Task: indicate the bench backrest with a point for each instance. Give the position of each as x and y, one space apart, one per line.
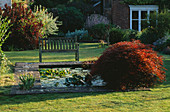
57 44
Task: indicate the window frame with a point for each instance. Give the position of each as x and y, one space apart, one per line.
141 8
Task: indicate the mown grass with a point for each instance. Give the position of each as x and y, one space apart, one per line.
156 100
88 51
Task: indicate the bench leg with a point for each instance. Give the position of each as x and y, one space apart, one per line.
77 56
40 57
77 52
40 52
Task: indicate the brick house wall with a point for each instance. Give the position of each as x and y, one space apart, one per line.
120 14
127 16
3 2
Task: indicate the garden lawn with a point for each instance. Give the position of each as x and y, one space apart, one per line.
156 100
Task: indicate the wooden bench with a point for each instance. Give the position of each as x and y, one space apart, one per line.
58 44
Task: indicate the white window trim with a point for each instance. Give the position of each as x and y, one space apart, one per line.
140 8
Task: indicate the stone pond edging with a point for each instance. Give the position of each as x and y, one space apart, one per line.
22 68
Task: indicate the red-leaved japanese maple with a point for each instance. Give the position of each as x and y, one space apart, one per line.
129 65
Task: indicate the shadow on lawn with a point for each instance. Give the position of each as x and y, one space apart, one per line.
46 58
19 99
167 66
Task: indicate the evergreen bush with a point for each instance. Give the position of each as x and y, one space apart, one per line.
130 34
162 43
71 18
148 35
116 35
161 23
77 33
100 31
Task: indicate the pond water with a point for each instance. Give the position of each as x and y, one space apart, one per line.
68 77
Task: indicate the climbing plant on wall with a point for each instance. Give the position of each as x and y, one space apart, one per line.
163 4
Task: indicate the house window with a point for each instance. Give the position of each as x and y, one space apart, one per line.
107 3
139 14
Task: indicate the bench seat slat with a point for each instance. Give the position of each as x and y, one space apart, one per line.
71 50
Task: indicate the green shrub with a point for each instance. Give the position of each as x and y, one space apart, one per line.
161 23
87 37
50 24
77 33
4 34
116 35
159 26
71 18
162 43
148 35
130 34
166 50
100 31
129 65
